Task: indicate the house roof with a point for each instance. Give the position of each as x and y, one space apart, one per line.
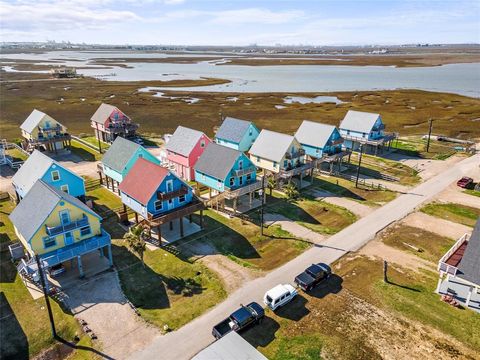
33 169
314 134
104 112
143 180
217 161
359 121
230 347
271 145
233 129
37 206
34 119
469 266
118 155
183 140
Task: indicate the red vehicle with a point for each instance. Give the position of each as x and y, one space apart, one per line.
464 182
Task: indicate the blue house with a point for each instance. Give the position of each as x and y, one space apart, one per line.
41 167
319 139
237 134
120 158
157 195
228 173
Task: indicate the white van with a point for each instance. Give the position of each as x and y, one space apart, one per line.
279 296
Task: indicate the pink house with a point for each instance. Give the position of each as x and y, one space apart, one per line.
183 150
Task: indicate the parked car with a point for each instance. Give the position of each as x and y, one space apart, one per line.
239 320
56 270
279 296
312 276
464 182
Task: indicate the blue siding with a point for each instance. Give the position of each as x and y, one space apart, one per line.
141 152
327 149
75 183
245 144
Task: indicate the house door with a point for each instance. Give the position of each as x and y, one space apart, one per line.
68 238
170 204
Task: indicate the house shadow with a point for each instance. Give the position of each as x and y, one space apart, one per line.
263 333
295 310
333 285
337 189
13 340
8 272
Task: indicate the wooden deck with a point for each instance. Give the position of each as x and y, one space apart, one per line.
457 255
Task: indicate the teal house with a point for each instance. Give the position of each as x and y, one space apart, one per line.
319 139
39 166
237 134
120 158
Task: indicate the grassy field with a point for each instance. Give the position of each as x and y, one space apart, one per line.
159 115
357 316
16 154
472 192
104 198
462 214
84 152
430 246
416 146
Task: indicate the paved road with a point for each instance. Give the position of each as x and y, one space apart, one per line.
193 337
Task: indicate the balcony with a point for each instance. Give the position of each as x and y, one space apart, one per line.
289 172
295 154
57 137
449 262
121 128
172 194
56 230
245 189
176 213
245 171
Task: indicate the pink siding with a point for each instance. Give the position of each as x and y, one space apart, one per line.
184 165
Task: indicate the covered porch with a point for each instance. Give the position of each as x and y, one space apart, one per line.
299 172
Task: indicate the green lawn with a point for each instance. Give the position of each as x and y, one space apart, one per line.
105 198
472 192
458 213
431 246
84 152
93 141
415 146
16 154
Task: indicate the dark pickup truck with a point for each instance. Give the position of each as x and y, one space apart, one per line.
239 320
312 276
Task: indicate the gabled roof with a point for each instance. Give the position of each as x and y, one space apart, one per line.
359 121
104 112
271 145
33 169
143 180
37 206
217 161
233 129
34 119
183 140
469 266
118 155
314 134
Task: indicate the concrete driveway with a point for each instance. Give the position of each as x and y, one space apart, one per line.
193 337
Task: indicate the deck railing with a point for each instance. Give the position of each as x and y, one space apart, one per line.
183 190
56 230
296 154
296 170
248 188
443 265
245 171
176 213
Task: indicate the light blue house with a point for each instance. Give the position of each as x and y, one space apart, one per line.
237 134
360 127
319 139
157 195
120 158
41 167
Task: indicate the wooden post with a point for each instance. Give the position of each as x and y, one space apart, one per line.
124 208
234 206
171 225
430 122
190 218
136 218
113 185
385 269
181 227
159 231
118 188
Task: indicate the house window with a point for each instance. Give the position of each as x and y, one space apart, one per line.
64 217
249 177
363 134
84 231
232 181
348 132
49 242
64 188
202 143
169 185
250 132
55 175
285 163
274 164
240 180
240 165
203 177
258 158
140 155
181 198
158 205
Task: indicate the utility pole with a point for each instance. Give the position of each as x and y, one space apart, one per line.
385 268
47 299
359 163
430 122
262 194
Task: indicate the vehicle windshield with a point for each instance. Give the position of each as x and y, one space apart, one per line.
269 299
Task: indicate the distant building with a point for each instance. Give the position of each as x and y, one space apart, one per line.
109 123
184 149
42 131
41 167
237 134
64 72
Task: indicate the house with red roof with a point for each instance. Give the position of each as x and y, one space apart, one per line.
159 198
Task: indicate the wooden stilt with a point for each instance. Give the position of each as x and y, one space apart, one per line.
159 231
136 218
181 227
190 218
171 225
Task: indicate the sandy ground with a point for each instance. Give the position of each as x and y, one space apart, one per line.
101 303
355 207
293 228
436 225
455 194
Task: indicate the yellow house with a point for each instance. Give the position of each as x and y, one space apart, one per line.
58 227
40 129
279 154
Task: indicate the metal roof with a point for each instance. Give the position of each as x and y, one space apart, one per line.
233 129
33 169
359 121
230 347
34 119
184 140
271 145
118 155
217 161
469 266
314 134
103 113
140 186
37 206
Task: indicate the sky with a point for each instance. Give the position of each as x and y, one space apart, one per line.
239 22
